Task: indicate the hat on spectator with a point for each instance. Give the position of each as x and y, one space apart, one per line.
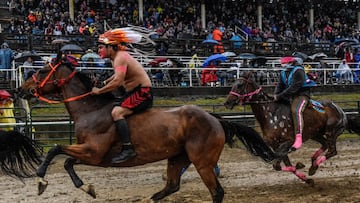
4 94
118 36
5 45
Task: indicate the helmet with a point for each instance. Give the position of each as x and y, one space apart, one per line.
287 59
118 36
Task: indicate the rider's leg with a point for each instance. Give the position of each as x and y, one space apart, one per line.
297 107
127 150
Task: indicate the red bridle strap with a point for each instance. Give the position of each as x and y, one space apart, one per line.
59 84
53 69
247 95
63 101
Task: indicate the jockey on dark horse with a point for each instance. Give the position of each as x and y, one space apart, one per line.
129 75
294 87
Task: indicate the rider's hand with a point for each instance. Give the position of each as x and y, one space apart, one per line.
95 91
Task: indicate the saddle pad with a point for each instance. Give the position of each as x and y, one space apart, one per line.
317 106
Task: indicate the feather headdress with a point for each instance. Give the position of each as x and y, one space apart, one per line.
120 35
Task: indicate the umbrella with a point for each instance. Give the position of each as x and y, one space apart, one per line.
301 55
210 42
157 61
347 40
26 54
318 56
229 54
214 57
4 94
71 47
92 55
248 56
60 41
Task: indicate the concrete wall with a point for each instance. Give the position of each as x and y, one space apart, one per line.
222 91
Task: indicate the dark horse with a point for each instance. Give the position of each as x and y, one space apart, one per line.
183 135
323 123
19 155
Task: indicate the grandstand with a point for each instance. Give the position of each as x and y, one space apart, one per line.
277 33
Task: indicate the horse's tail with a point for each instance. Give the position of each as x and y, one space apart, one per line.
353 123
19 155
249 137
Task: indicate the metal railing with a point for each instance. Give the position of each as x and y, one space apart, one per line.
267 74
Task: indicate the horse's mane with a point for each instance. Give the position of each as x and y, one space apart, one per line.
281 107
87 81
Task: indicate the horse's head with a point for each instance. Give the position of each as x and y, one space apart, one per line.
47 81
242 90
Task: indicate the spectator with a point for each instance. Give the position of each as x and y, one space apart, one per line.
237 42
6 57
174 72
209 77
221 74
343 73
86 31
28 69
349 56
194 61
92 29
31 18
6 111
218 35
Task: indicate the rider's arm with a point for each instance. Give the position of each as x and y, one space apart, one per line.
117 79
296 84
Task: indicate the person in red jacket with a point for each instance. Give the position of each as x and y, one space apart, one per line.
208 76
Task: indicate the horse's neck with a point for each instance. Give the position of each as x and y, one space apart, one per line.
83 106
262 107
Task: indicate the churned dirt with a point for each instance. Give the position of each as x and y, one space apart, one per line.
244 178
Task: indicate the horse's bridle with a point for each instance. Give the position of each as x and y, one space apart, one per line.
57 82
241 98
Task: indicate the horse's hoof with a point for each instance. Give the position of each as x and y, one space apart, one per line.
300 165
42 184
310 182
313 170
90 189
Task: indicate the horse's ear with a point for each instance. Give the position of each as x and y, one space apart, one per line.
58 56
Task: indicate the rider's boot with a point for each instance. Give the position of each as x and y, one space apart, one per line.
298 142
127 150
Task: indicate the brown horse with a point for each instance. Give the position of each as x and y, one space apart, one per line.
19 155
323 123
183 135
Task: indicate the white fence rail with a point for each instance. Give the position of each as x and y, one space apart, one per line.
190 74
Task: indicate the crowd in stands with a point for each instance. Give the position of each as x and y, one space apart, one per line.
282 20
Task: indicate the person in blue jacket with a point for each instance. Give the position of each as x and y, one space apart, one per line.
6 57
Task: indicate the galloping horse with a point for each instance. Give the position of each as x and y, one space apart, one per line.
19 155
323 122
183 135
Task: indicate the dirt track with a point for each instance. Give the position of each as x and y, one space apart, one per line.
244 178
